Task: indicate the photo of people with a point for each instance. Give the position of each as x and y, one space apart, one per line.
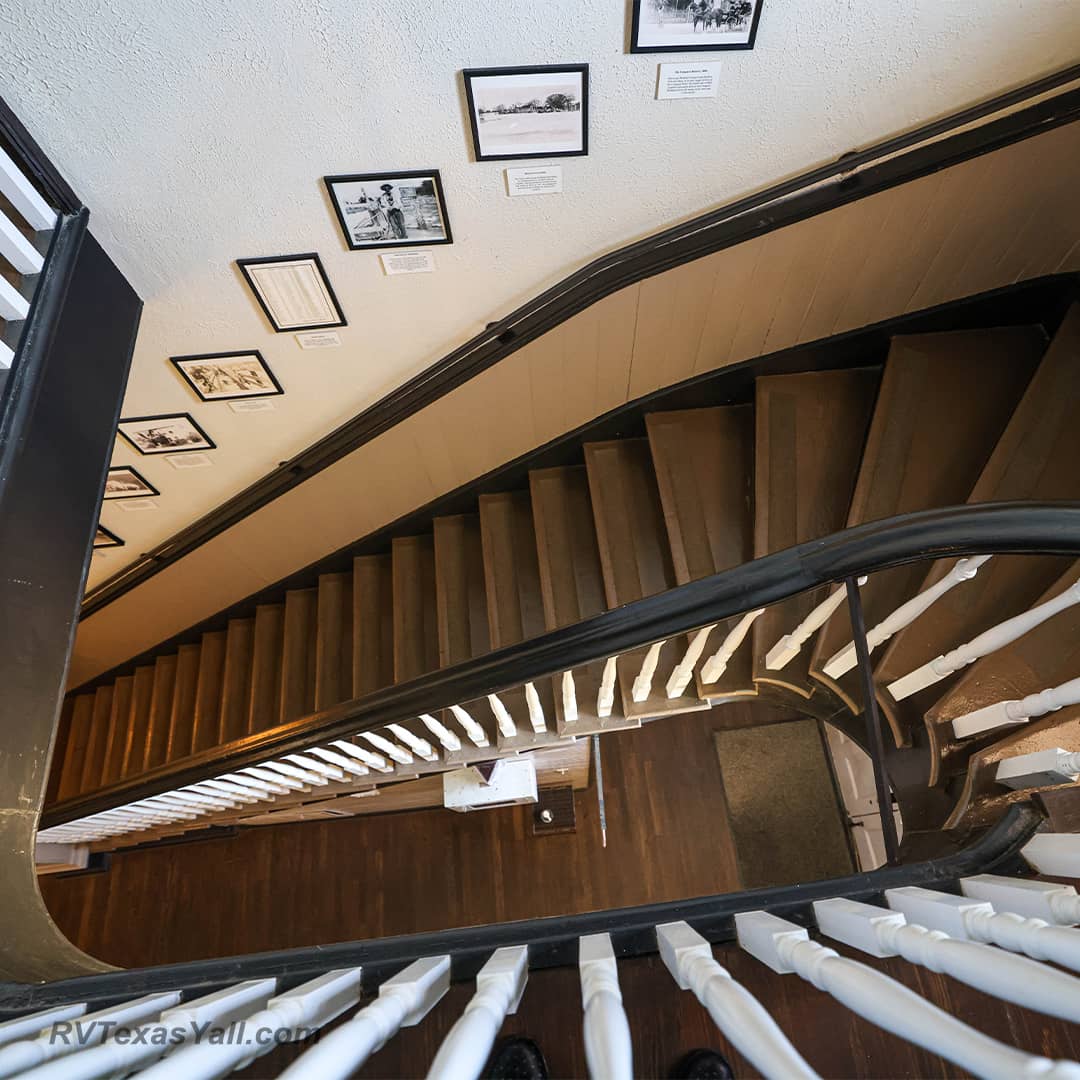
227 376
381 210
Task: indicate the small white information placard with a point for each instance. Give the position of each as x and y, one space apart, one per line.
408 262
318 339
542 180
700 80
252 405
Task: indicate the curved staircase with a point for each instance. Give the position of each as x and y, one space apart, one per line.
976 416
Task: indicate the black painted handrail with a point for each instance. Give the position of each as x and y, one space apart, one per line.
552 941
992 528
821 188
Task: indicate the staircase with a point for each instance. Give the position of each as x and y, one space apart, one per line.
977 416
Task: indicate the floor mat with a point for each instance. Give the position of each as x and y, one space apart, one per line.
782 805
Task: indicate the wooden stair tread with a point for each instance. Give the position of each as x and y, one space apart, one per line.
119 718
182 722
298 654
373 624
635 558
1034 459
945 400
267 649
333 643
461 596
161 706
809 434
704 465
207 718
71 771
139 724
94 762
236 680
416 632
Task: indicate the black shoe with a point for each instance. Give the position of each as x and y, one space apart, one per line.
702 1065
516 1058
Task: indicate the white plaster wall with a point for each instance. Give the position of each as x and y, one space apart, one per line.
198 132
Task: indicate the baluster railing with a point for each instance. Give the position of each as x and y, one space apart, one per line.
989 641
1020 711
790 645
684 670
420 747
717 664
642 687
882 932
34 1023
503 720
289 1017
403 1001
607 1032
1034 899
1056 854
734 1010
1043 768
477 735
447 739
787 949
965 569
976 920
605 699
499 987
569 698
536 709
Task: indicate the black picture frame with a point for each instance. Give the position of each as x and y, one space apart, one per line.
386 177
683 47
111 539
149 491
179 363
469 75
307 256
210 444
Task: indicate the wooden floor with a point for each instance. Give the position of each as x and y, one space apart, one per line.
321 882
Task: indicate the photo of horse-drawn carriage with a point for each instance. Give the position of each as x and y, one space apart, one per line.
678 25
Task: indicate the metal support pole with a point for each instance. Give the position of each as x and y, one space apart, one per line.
874 741
600 789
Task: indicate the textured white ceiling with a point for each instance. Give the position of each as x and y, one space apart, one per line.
198 132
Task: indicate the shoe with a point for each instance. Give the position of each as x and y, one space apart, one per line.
516 1058
702 1064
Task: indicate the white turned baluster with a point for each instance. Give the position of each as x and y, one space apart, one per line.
63 1037
472 729
197 1019
607 1032
684 670
569 698
536 710
35 1023
420 747
403 1001
273 777
499 986
23 196
256 785
717 664
964 570
503 720
787 949
1008 713
294 1015
368 757
390 749
450 742
348 764
310 764
605 699
1012 978
989 641
245 795
305 776
734 1010
1030 897
976 920
1056 854
1043 768
790 645
643 683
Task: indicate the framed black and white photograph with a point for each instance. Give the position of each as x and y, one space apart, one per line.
227 376
175 433
103 538
694 25
123 482
293 292
383 210
528 112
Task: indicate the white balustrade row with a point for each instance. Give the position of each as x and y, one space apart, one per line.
1020 711
997 637
790 645
965 569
